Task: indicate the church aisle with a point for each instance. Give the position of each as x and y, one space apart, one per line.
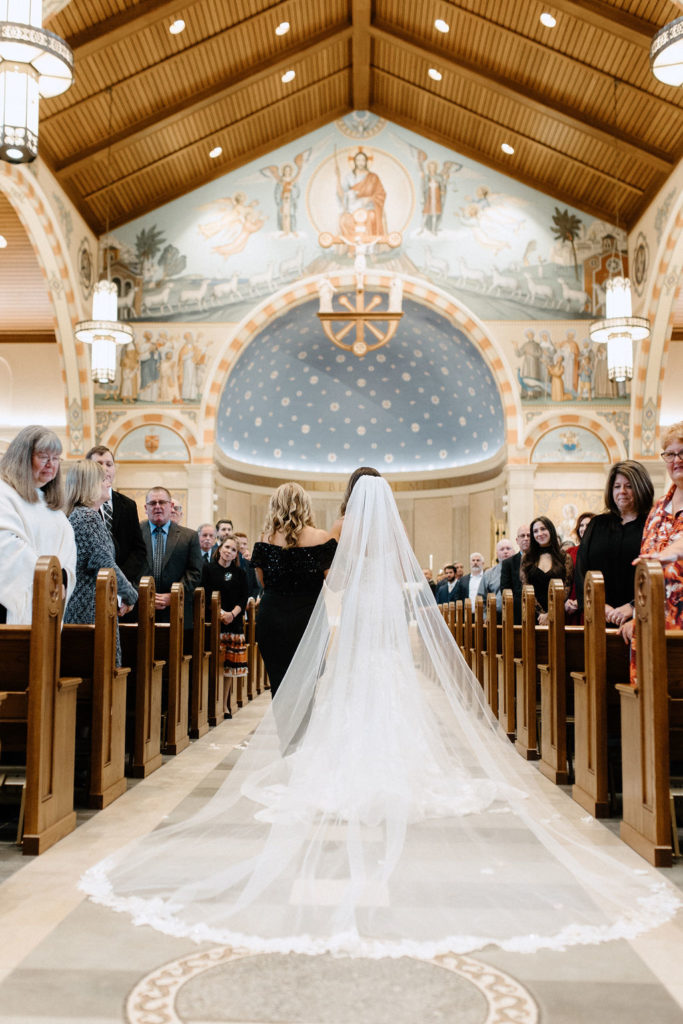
65 959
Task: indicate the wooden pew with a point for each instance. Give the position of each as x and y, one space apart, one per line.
212 644
144 684
252 652
534 650
201 658
651 722
510 649
565 652
168 649
489 656
596 706
89 650
478 639
467 631
38 712
459 625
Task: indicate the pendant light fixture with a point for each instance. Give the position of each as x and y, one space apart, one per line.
105 331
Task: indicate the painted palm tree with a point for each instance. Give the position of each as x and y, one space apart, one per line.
148 242
567 229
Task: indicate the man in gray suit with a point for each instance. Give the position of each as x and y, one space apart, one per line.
173 554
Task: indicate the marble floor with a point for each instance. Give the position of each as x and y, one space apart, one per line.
63 958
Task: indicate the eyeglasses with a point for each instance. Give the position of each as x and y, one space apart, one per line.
45 460
670 457
151 504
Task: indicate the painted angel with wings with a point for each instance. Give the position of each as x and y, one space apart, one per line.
433 184
287 191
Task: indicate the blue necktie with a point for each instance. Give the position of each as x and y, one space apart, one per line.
158 554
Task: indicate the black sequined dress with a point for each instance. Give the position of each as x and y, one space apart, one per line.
292 579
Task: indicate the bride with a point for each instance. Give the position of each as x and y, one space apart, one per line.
378 809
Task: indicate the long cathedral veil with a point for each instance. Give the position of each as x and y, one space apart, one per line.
378 809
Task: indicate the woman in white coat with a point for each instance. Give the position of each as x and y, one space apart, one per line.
32 522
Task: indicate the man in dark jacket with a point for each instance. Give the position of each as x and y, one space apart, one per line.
510 578
120 514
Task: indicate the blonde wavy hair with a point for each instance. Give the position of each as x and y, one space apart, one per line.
83 484
288 512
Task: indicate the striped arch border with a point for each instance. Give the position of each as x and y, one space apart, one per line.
28 190
150 419
302 292
663 271
615 447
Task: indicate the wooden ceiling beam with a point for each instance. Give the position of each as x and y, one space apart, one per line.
191 105
231 165
213 136
360 49
608 19
527 97
547 187
513 135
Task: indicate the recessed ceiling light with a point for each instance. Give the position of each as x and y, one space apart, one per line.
282 29
3 242
548 20
177 27
441 26
216 151
288 76
436 75
507 148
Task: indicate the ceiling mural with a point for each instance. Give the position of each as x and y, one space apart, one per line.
426 401
502 249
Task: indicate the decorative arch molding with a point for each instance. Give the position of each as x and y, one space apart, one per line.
652 353
121 428
33 210
421 291
613 444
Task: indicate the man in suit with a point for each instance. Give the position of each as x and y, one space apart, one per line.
504 549
206 535
173 554
510 578
445 590
120 514
472 584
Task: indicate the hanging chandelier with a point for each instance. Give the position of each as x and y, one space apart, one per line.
666 53
619 329
105 331
33 63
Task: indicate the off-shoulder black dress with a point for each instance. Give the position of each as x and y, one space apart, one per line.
292 579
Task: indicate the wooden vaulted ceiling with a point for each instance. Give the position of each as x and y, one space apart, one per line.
505 78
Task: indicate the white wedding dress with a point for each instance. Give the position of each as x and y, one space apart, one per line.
378 809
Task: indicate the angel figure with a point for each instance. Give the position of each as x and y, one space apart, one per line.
237 220
287 191
433 183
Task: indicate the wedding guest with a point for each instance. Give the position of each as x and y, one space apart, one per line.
224 574
32 522
120 515
573 615
543 562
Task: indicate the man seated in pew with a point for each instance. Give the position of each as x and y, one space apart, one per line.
32 522
663 537
172 554
504 549
511 571
86 489
468 587
446 589
120 516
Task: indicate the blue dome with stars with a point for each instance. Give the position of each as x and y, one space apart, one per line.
425 401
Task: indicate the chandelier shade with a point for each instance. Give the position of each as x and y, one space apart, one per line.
104 332
666 53
33 63
619 329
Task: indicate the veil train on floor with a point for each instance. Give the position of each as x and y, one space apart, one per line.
378 809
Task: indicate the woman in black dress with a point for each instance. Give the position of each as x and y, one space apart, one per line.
224 574
612 540
543 562
291 562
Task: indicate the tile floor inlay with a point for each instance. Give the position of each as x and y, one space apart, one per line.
224 985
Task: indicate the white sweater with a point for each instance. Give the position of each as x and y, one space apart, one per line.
27 531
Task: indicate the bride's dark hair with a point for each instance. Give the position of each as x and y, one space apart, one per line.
353 480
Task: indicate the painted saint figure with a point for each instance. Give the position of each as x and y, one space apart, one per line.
434 183
362 197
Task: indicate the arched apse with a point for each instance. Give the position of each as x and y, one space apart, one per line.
122 428
32 208
614 444
416 291
651 356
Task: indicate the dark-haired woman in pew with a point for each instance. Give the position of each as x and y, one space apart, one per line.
571 605
86 489
612 540
663 535
224 574
31 520
545 561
